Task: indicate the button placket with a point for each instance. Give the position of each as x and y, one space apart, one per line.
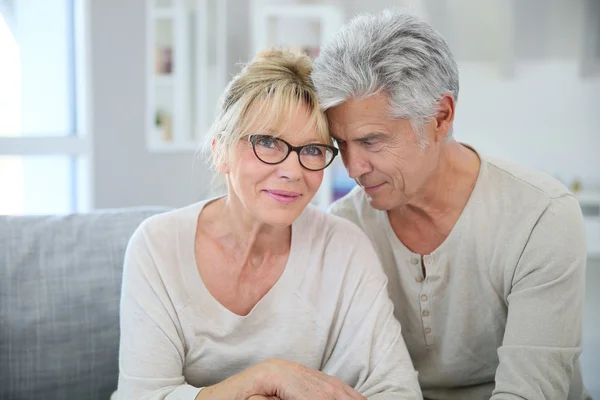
426 319
425 301
415 260
429 262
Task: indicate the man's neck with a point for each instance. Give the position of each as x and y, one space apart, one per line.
428 218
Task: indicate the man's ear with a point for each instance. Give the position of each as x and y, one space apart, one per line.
444 116
222 167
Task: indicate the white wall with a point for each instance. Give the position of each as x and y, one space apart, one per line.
124 172
522 94
544 117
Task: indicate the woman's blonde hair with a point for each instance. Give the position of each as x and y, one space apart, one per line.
272 86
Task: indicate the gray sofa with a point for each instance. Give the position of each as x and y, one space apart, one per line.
60 281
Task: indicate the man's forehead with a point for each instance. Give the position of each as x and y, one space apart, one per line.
353 111
358 124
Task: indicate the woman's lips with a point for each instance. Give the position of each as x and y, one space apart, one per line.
283 196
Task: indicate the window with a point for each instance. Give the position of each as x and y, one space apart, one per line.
43 144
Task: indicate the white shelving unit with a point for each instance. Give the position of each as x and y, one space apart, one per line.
186 71
590 206
297 26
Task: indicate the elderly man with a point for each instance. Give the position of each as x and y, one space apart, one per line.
485 259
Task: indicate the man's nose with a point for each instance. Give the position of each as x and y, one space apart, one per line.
355 162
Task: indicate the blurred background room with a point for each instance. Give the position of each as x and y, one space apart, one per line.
104 103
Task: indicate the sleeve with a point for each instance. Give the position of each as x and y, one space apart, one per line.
369 351
542 341
152 348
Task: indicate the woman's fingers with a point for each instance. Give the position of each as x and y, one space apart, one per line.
298 382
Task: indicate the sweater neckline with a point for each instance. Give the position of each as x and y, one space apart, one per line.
201 298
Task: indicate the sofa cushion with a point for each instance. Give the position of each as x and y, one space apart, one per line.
60 281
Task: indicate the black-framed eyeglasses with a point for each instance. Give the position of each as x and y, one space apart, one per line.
312 156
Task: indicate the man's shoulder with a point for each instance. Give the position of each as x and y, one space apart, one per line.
519 179
354 207
529 202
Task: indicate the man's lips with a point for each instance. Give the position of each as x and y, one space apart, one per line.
372 188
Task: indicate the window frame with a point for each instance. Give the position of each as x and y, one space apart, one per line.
77 143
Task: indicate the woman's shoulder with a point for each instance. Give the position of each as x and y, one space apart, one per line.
165 227
339 258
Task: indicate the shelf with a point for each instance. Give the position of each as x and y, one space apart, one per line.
164 80
588 197
182 80
163 13
590 206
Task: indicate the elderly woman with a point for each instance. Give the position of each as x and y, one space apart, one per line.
256 294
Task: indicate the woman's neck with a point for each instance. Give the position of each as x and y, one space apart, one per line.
250 241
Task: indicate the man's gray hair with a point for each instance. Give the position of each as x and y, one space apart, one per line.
391 52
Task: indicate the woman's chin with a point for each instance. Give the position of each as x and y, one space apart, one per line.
280 217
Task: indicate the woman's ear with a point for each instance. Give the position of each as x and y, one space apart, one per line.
222 165
224 168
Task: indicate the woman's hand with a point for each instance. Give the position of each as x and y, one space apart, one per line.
287 380
278 379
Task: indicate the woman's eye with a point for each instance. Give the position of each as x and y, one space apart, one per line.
266 142
313 151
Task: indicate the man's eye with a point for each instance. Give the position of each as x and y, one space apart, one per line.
339 143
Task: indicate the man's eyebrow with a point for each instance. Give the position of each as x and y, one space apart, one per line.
369 136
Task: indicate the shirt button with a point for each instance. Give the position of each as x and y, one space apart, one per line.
419 279
415 260
426 313
428 330
423 298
